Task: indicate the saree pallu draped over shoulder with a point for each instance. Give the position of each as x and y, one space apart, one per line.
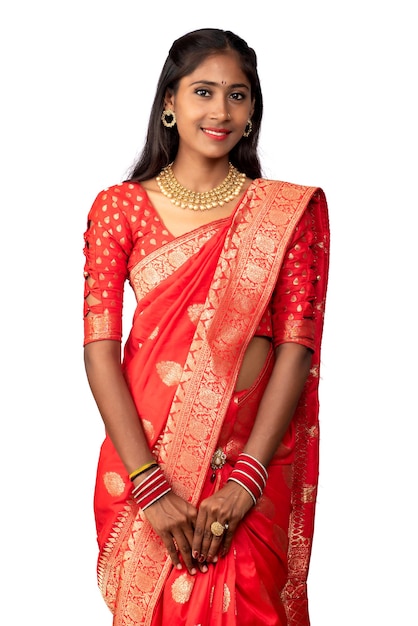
200 298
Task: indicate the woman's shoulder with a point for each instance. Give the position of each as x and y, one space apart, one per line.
126 189
293 196
120 207
126 196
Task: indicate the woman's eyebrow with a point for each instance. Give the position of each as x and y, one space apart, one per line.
215 84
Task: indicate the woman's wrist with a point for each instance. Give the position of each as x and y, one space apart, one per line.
146 467
151 488
250 474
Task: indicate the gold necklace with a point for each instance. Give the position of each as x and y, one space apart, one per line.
200 201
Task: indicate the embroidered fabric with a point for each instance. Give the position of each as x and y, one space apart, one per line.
289 316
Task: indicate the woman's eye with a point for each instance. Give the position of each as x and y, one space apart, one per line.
237 96
202 92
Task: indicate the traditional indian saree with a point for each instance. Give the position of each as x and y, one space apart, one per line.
201 297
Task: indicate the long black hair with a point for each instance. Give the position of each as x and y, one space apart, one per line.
185 55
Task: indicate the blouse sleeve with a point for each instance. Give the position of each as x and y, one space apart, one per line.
294 294
108 242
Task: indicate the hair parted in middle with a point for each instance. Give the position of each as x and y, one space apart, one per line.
185 55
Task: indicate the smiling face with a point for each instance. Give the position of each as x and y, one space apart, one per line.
212 105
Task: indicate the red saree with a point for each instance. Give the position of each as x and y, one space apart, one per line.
200 299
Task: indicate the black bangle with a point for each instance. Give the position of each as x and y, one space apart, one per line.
142 471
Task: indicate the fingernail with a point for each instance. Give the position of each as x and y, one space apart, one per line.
205 569
195 554
193 571
215 559
201 558
179 566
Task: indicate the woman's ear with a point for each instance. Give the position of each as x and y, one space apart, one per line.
169 100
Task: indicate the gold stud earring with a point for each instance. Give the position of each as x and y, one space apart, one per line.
168 118
248 129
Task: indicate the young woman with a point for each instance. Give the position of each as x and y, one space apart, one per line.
207 476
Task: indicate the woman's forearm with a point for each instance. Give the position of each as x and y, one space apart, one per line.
115 403
279 400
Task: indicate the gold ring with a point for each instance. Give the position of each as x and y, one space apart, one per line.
217 529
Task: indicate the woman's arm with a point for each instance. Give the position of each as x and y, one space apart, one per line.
115 403
279 401
171 517
275 412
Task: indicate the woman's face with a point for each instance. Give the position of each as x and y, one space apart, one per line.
212 105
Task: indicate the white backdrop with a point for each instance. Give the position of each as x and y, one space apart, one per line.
339 83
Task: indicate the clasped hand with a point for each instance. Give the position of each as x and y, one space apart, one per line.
186 531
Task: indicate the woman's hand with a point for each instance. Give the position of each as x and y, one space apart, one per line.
173 519
227 506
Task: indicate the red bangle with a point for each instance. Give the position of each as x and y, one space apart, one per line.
250 474
154 487
253 467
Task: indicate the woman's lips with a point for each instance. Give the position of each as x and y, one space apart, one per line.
217 133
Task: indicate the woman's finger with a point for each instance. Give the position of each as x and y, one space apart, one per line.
184 549
198 536
171 548
227 541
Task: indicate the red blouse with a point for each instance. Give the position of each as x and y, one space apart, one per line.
123 227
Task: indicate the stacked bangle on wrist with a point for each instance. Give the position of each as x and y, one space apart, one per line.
250 474
142 469
154 487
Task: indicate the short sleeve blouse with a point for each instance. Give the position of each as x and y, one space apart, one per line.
289 316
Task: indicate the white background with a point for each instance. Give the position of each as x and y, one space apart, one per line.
339 82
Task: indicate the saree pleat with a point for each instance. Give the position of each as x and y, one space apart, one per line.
200 299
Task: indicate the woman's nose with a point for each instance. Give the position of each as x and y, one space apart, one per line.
221 111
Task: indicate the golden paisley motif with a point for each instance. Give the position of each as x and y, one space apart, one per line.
190 462
242 303
227 334
290 192
170 372
133 611
143 581
155 551
194 312
278 218
226 599
208 398
181 589
150 276
255 273
198 430
265 244
114 483
177 258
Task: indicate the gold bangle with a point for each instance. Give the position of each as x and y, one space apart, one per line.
142 469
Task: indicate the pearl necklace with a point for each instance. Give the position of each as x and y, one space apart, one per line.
200 201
